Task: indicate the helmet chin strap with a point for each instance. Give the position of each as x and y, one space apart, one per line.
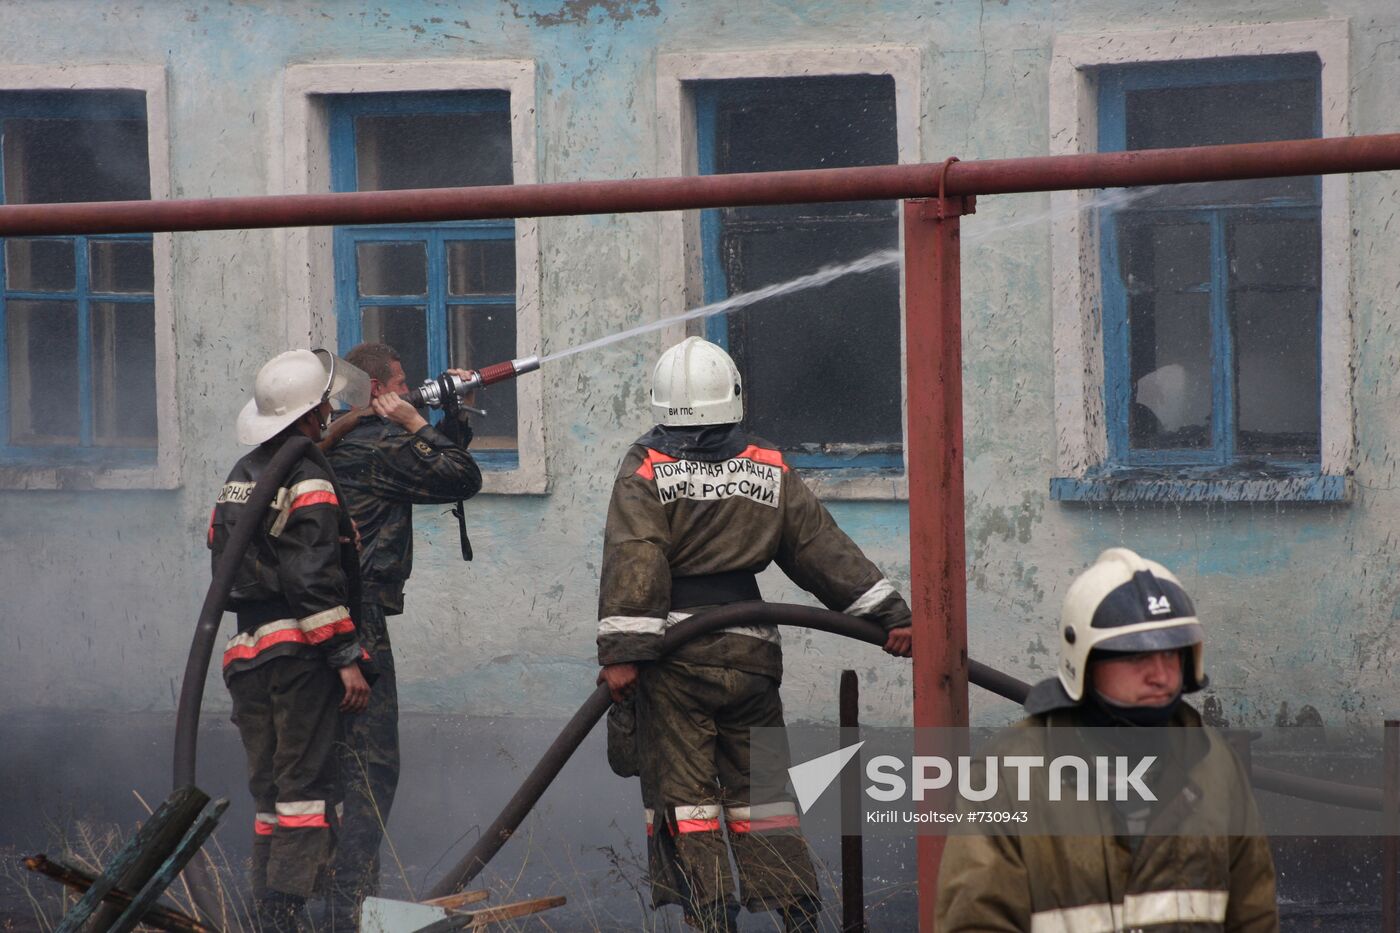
1118 714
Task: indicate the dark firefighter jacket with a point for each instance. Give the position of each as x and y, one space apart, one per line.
384 472
690 503
1074 883
291 593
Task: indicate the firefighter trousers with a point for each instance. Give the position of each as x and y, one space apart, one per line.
287 714
369 767
693 729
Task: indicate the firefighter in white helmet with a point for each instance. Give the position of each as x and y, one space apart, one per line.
1130 647
294 662
698 508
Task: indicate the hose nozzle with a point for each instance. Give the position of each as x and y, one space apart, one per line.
433 391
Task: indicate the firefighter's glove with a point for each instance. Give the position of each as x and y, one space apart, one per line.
900 642
621 680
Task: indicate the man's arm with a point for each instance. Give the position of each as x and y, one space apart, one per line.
634 593
819 557
983 886
313 582
424 466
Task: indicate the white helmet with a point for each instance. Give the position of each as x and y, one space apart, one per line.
696 382
1125 603
291 384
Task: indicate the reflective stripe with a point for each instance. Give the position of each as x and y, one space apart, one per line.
309 821
871 598
1091 918
1137 910
768 633
630 625
702 819
764 455
1175 907
312 630
300 495
762 817
264 823
301 808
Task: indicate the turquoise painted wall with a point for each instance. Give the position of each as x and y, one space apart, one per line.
101 588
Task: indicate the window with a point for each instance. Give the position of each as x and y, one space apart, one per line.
822 368
77 313
1212 292
444 294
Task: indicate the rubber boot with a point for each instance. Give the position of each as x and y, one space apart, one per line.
802 916
279 913
719 917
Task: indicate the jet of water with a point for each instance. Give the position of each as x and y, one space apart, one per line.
828 274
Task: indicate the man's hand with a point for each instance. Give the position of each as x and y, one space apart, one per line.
356 689
901 642
393 408
621 680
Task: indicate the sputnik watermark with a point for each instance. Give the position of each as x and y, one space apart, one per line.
1116 778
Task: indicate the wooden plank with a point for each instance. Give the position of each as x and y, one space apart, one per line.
160 917
162 832
454 901
184 851
480 918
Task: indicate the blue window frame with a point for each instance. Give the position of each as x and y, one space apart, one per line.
77 313
821 368
441 294
1212 300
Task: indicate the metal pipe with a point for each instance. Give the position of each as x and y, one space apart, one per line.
560 199
852 840
937 538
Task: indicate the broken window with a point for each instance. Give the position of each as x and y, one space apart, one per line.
821 367
442 295
78 312
1212 292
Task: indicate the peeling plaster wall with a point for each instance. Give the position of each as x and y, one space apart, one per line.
101 588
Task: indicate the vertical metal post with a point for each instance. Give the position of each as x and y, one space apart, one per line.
852 814
937 548
1390 806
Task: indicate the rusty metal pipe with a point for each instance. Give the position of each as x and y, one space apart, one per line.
558 199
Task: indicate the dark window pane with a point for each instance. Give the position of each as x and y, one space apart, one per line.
481 267
1170 348
1277 372
1218 114
42 344
65 160
432 150
404 329
121 266
39 265
480 335
392 268
1273 255
123 373
1163 255
821 367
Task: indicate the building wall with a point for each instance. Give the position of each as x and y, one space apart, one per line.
102 586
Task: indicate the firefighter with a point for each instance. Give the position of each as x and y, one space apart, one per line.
698 508
1130 647
387 458
294 664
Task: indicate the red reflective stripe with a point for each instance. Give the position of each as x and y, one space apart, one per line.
768 822
263 829
296 635
648 468
303 821
697 826
212 512
764 455
320 497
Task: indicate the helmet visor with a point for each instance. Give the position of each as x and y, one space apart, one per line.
345 383
1179 633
